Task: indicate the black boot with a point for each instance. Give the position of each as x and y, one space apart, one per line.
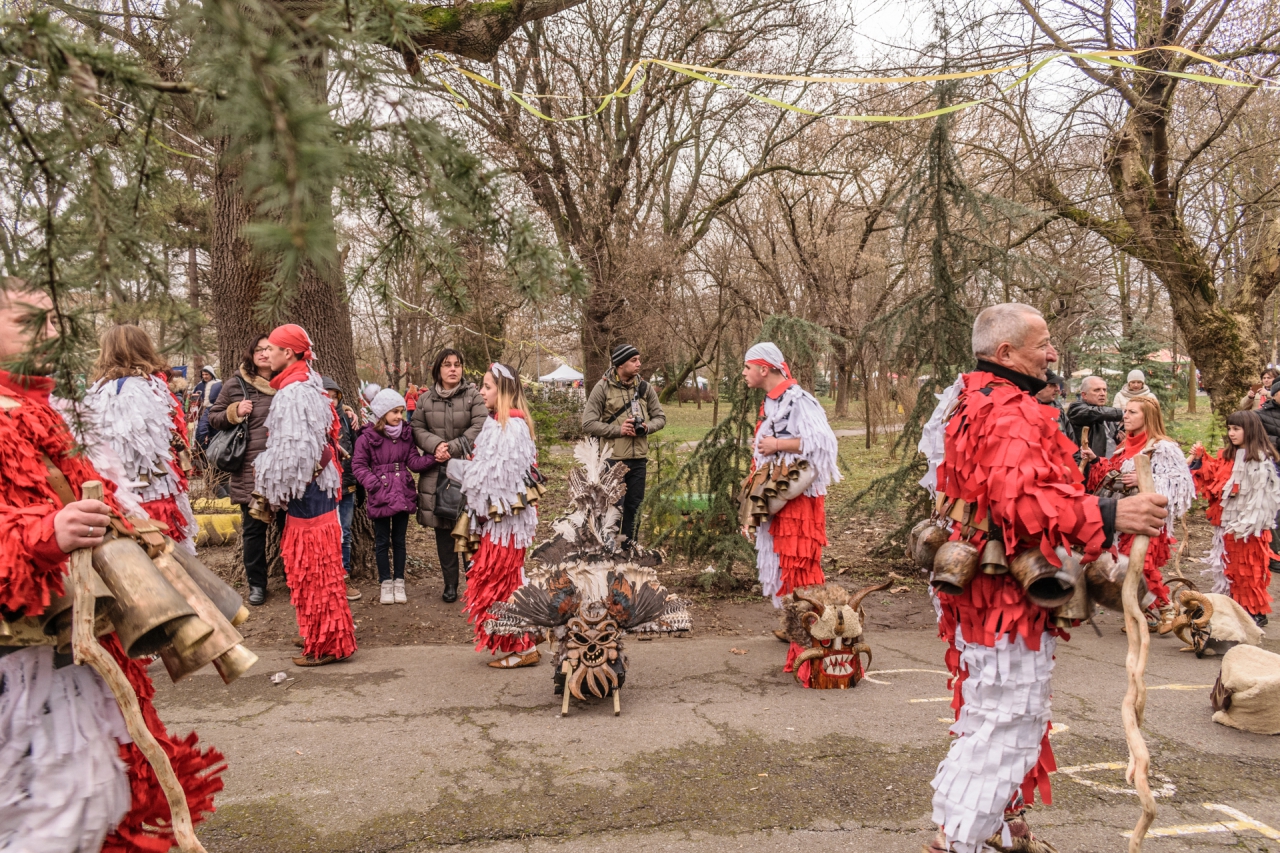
1260 619
450 593
257 595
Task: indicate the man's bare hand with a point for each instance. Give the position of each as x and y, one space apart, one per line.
629 429
1141 514
81 525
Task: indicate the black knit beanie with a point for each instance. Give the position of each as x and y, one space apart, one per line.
623 353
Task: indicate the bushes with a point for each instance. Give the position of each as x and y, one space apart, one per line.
557 413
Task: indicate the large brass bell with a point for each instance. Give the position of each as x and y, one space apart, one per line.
928 541
148 613
1077 608
1044 583
228 601
224 640
992 561
954 566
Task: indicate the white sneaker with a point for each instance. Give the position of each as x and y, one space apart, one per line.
388 593
401 598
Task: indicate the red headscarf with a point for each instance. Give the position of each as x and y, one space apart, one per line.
294 337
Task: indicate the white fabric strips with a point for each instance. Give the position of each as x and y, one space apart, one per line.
1217 562
63 786
934 435
798 414
496 477
767 566
1003 720
297 432
1253 509
1172 478
135 420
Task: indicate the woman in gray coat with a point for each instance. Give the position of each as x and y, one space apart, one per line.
445 424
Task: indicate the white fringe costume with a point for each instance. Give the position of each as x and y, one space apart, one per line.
132 421
1002 722
63 787
500 512
794 413
297 433
1249 499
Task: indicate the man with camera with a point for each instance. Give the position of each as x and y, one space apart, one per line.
625 408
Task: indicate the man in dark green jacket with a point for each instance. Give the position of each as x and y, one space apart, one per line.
625 408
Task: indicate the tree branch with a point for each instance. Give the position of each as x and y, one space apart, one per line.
477 30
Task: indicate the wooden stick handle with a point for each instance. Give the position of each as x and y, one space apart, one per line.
1084 442
87 650
1135 664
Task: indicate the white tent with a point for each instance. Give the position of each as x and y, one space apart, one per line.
563 373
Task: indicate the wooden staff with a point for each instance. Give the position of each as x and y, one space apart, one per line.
88 650
1135 664
1084 442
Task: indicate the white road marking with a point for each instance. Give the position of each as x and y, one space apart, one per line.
934 699
1242 823
868 677
1180 687
1168 789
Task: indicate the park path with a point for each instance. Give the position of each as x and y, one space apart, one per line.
412 748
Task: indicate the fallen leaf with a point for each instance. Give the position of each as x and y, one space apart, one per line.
898 589
762 775
894 576
738 651
298 751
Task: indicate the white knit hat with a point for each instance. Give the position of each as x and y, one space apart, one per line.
369 390
1137 375
384 401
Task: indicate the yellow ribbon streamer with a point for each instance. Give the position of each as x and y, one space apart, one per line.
634 79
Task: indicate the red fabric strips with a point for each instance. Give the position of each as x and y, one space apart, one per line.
312 552
166 509
495 573
799 532
1247 569
146 826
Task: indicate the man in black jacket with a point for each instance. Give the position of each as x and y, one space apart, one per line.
1269 413
1093 412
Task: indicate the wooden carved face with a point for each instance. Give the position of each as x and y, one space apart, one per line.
835 644
592 644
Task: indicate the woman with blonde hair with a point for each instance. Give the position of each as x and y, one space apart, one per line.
1115 477
130 412
498 484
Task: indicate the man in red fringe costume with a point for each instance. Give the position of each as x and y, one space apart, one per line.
1006 458
300 469
79 783
792 427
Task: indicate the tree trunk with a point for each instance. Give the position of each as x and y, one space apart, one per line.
193 299
1192 390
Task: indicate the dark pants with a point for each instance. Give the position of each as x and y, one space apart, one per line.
346 511
254 536
449 558
634 478
388 533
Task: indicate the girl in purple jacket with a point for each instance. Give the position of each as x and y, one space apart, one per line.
384 455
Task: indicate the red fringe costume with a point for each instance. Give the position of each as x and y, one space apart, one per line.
299 470
496 572
799 533
31 575
1007 458
1245 560
1160 548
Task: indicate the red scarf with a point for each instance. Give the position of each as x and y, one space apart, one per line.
1133 445
296 372
37 388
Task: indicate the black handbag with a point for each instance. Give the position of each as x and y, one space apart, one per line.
226 449
449 499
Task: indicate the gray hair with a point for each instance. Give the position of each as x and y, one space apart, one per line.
999 324
1084 383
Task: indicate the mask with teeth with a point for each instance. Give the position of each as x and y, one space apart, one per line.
826 622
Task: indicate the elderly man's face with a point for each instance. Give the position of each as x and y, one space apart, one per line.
1094 392
1034 355
1048 393
17 334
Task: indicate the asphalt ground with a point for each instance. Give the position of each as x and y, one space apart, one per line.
415 748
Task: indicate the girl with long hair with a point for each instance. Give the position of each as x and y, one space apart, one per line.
131 410
1243 491
501 515
1116 477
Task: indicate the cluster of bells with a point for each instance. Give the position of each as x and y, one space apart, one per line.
1066 590
162 601
768 488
